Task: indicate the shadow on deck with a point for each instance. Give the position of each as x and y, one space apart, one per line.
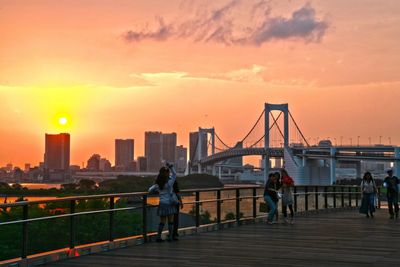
343 238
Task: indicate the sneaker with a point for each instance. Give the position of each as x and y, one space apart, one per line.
372 215
286 221
391 217
367 216
159 240
175 238
291 221
270 223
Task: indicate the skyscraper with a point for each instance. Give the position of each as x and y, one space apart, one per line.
193 142
124 152
153 150
169 147
57 151
181 158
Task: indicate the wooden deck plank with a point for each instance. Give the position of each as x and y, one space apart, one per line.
327 239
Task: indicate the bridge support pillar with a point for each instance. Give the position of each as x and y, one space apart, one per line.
304 158
219 172
198 168
396 165
333 165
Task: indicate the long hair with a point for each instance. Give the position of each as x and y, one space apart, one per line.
366 175
162 177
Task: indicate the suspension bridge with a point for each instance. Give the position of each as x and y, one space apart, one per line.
277 135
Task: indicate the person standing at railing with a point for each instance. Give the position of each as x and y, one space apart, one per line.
176 190
368 189
391 183
287 195
167 207
271 196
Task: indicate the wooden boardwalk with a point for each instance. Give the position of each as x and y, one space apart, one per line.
343 238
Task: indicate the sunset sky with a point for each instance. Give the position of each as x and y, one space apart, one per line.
116 68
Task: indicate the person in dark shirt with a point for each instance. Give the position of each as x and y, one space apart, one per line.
391 183
271 196
175 234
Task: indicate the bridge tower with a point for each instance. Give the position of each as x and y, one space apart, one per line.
284 108
199 149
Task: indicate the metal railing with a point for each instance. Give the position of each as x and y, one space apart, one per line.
309 197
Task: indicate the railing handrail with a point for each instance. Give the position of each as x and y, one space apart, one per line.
140 194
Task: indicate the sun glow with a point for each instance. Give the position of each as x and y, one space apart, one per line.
62 121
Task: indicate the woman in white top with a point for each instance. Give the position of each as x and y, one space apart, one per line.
167 208
368 189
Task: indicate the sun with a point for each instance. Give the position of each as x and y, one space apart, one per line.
62 121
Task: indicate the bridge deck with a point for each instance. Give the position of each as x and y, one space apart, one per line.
328 239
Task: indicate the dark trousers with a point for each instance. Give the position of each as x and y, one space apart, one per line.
285 211
393 201
176 221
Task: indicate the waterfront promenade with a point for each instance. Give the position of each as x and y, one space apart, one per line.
338 238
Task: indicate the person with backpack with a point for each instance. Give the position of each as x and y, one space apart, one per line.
168 200
368 190
391 184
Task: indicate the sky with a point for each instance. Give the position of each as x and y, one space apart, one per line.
118 68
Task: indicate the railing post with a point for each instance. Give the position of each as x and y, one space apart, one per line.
24 251
306 198
326 196
197 208
295 198
316 198
334 196
356 196
144 217
342 191
350 191
219 207
238 206
72 224
254 203
111 222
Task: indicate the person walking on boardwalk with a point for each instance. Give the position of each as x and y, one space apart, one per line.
167 207
391 183
287 195
368 189
178 206
271 196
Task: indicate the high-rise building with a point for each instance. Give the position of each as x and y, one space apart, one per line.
27 167
93 164
142 164
193 145
124 152
181 158
153 150
57 151
169 147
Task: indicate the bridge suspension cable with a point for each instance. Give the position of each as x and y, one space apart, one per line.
254 126
301 133
273 124
216 135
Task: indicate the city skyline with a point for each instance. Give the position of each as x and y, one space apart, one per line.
97 64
